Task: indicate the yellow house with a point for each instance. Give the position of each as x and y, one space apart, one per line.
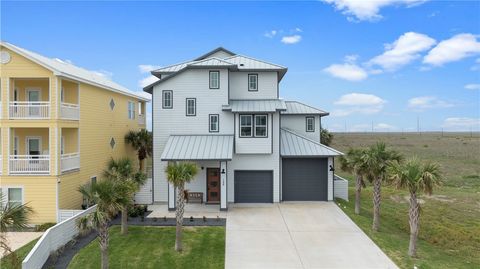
59 125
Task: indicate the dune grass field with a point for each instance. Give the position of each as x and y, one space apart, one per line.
450 219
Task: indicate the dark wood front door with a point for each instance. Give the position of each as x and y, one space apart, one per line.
213 185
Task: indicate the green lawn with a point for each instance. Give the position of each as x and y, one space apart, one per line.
449 222
21 253
153 247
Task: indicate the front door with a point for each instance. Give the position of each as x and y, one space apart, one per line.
213 185
33 97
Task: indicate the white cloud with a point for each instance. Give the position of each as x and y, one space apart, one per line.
146 68
298 30
461 124
403 51
472 86
347 71
358 103
426 102
456 48
270 34
367 10
292 39
147 81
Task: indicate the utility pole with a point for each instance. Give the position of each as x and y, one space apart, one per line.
418 125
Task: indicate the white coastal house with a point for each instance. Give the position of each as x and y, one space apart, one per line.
223 111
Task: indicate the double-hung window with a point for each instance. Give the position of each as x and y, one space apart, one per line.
214 80
246 126
260 125
253 82
14 196
213 123
310 124
131 110
167 99
191 106
253 125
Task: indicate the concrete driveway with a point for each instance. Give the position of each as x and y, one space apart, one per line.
297 235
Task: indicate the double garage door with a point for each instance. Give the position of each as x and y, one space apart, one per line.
303 179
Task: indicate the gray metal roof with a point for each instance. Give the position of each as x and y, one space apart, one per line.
255 105
294 107
293 144
62 68
213 52
198 147
212 62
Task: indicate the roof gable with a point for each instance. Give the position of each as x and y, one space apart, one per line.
219 52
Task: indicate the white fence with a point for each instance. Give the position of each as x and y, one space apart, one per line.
69 111
53 239
64 214
340 186
70 161
29 164
29 110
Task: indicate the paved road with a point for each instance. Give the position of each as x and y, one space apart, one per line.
297 235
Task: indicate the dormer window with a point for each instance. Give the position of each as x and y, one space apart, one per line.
214 80
253 82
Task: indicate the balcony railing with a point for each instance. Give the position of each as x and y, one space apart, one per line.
29 110
69 111
29 164
141 119
70 161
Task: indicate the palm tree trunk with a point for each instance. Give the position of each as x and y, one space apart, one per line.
414 219
103 240
141 164
377 184
124 228
179 215
358 190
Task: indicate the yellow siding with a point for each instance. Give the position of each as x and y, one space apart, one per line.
23 133
23 84
97 125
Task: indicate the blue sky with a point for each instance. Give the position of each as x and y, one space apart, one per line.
374 63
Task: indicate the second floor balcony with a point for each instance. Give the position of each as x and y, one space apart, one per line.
29 110
29 164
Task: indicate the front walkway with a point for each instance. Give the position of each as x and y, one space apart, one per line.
298 235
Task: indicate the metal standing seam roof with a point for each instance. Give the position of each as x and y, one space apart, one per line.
255 105
198 147
293 144
71 71
294 107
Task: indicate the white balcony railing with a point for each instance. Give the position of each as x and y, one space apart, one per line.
69 111
70 161
141 119
29 164
29 110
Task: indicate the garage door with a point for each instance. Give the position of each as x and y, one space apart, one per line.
253 186
304 179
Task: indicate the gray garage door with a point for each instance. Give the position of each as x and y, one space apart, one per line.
253 186
304 179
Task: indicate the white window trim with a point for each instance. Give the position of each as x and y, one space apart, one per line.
256 82
216 125
5 189
210 80
307 124
27 145
131 110
33 89
187 100
266 125
240 124
170 99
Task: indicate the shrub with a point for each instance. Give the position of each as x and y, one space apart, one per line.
43 227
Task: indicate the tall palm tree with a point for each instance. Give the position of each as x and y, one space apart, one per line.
142 142
352 162
416 177
109 197
12 217
377 158
122 172
178 174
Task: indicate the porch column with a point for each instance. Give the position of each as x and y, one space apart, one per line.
223 186
171 197
330 179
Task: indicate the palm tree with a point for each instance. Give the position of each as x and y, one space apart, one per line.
12 217
142 142
377 158
415 176
122 172
178 174
353 163
109 197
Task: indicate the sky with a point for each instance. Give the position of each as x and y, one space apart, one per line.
378 65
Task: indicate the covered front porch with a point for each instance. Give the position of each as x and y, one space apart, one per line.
211 154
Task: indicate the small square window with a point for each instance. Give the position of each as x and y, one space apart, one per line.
310 124
112 104
214 79
253 82
112 142
14 196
